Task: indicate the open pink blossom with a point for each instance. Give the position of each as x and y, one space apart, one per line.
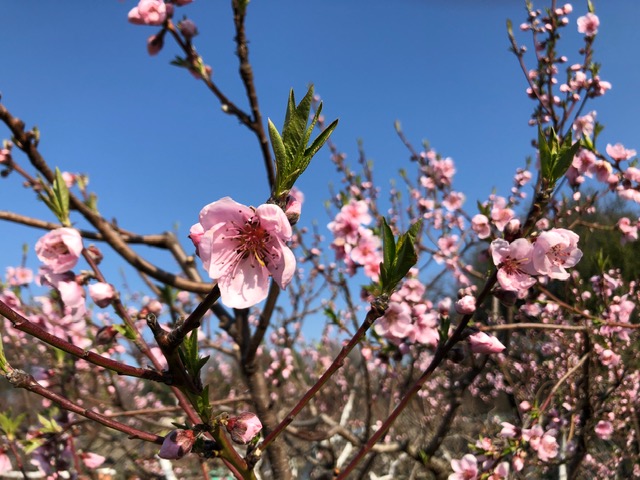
604 429
92 460
244 427
619 153
464 469
19 276
554 251
588 24
482 343
60 249
395 324
242 246
148 12
514 263
480 225
5 462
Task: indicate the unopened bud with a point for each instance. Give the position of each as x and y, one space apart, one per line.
244 427
177 444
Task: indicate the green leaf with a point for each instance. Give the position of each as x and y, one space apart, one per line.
49 425
9 425
4 365
565 157
545 154
125 330
398 258
292 156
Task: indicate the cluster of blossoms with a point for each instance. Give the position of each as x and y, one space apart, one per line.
353 243
551 253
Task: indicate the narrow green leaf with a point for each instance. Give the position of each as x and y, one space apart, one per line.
321 140
388 245
61 197
545 154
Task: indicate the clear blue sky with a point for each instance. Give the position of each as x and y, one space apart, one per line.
158 148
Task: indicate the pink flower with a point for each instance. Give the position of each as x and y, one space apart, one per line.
5 462
92 460
466 305
480 225
188 28
149 12
465 468
19 276
155 43
177 444
101 293
629 231
604 430
514 263
619 153
482 343
242 246
500 214
244 427
60 249
554 251
588 24
395 324
509 430
69 179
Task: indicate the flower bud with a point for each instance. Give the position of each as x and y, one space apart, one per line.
177 444
155 43
105 335
482 343
101 293
243 427
188 29
466 305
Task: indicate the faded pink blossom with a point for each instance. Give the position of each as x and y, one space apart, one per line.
466 305
453 201
554 251
629 231
604 430
619 153
177 444
5 155
609 358
583 126
242 246
588 24
19 276
514 263
464 469
633 174
69 179
60 249
544 443
482 343
148 12
480 225
101 293
92 460
395 324
244 427
5 462
500 214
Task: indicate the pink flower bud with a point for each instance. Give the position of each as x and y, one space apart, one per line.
105 335
482 343
188 28
294 205
244 427
466 305
177 444
101 293
60 249
155 44
148 12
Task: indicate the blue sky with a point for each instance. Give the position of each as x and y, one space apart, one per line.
158 148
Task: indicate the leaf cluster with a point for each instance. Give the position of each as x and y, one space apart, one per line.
555 156
398 257
291 149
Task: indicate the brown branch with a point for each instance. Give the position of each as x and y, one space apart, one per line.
21 379
22 324
25 142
